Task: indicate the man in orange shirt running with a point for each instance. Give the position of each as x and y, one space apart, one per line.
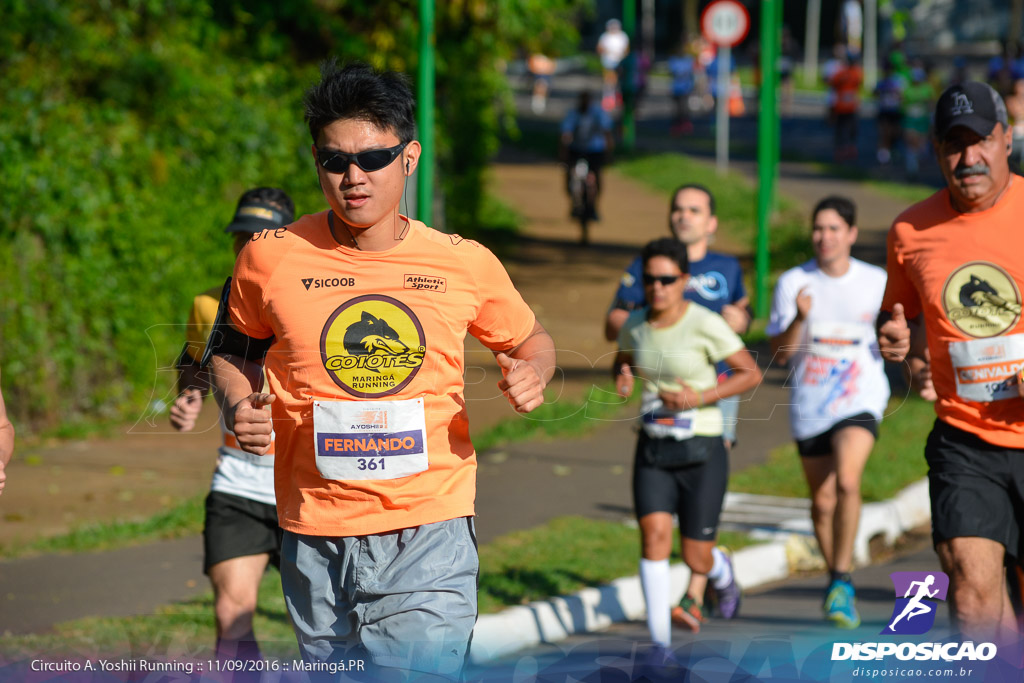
360 315
956 271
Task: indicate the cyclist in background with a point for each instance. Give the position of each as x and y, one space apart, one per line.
586 134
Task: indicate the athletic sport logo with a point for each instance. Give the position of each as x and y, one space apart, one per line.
916 593
372 346
981 299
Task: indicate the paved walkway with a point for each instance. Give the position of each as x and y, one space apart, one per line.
780 635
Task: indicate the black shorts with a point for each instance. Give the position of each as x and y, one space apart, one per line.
694 493
893 118
976 488
821 444
237 527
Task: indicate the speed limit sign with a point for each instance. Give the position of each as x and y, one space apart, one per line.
725 22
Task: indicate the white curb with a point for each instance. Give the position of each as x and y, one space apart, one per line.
594 609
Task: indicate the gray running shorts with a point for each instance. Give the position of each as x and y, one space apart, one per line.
404 599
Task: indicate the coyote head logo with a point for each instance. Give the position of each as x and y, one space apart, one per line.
973 293
372 335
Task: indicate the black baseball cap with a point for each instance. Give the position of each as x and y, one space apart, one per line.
973 105
253 215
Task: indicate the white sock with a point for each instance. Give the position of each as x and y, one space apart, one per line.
720 575
654 578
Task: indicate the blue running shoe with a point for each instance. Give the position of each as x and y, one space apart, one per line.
839 605
728 598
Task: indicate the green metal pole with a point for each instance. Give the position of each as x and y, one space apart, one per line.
767 145
628 86
425 115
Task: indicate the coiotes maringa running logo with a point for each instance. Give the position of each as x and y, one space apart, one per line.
981 299
372 346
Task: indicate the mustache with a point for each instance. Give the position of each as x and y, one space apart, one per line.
979 168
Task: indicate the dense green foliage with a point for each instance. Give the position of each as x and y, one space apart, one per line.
131 126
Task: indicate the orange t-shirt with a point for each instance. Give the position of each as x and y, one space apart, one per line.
965 272
360 330
846 83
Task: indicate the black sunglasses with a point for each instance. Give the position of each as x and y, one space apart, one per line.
372 160
665 280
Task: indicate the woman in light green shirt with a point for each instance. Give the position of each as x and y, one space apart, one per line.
681 465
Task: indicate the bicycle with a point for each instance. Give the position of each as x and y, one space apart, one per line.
583 190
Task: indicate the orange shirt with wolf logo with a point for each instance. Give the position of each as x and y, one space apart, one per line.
365 326
965 272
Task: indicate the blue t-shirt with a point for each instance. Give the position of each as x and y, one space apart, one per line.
681 68
715 280
588 129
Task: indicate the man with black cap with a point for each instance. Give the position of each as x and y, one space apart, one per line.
240 534
956 272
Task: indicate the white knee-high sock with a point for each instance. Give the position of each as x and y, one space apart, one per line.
654 577
721 571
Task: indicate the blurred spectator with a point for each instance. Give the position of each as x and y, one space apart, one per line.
612 48
889 95
959 74
541 68
852 21
1015 109
788 53
917 108
846 83
682 67
828 70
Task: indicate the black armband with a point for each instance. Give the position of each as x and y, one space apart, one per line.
226 340
185 359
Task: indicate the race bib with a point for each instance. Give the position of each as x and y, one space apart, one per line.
660 423
984 368
358 440
840 341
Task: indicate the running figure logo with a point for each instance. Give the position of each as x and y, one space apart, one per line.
914 613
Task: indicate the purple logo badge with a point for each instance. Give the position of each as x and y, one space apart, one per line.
916 593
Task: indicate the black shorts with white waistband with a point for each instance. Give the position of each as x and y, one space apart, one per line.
976 488
237 527
821 444
695 493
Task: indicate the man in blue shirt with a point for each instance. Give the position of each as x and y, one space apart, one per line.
716 280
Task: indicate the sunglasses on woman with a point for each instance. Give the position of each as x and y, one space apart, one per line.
371 160
665 280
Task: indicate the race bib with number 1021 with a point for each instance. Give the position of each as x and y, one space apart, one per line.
359 440
985 368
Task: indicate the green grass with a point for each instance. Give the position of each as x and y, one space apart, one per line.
561 418
183 519
911 193
180 631
908 192
736 204
561 557
896 461
556 558
499 225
